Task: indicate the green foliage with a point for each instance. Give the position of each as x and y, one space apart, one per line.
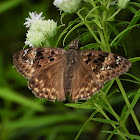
114 110
6 5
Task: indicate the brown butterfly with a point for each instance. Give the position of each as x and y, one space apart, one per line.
53 72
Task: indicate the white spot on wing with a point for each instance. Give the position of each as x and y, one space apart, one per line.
31 62
25 52
27 61
103 68
108 67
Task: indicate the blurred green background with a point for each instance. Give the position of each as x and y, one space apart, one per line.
22 115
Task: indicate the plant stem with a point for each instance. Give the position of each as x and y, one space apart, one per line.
116 116
89 28
112 110
102 39
106 37
104 114
128 103
79 133
103 47
114 15
108 4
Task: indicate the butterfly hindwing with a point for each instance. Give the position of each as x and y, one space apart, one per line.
83 83
105 66
49 83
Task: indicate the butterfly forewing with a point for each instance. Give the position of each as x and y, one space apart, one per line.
44 68
105 66
30 61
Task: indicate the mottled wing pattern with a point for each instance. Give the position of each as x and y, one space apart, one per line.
44 68
30 61
105 66
49 83
83 83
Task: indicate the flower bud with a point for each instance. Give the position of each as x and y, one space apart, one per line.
122 3
68 6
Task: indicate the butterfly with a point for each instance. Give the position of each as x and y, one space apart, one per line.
54 72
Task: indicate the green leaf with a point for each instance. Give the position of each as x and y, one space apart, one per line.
62 16
135 59
105 121
79 105
135 4
132 81
112 28
97 22
113 92
90 12
132 94
113 132
6 5
64 32
125 32
136 78
13 96
81 130
91 46
125 108
132 105
41 121
73 28
124 134
108 87
120 35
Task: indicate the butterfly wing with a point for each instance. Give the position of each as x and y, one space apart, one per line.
83 82
44 68
105 66
30 61
49 83
93 69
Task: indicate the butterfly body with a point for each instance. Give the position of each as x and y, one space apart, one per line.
72 60
54 72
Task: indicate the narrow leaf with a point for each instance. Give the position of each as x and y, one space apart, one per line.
124 134
13 96
105 121
6 5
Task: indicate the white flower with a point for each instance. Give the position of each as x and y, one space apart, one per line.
56 2
47 27
40 30
34 38
51 28
122 3
33 18
68 6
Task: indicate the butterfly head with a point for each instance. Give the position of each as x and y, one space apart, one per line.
75 44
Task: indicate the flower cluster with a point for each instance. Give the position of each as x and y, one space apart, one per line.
40 30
